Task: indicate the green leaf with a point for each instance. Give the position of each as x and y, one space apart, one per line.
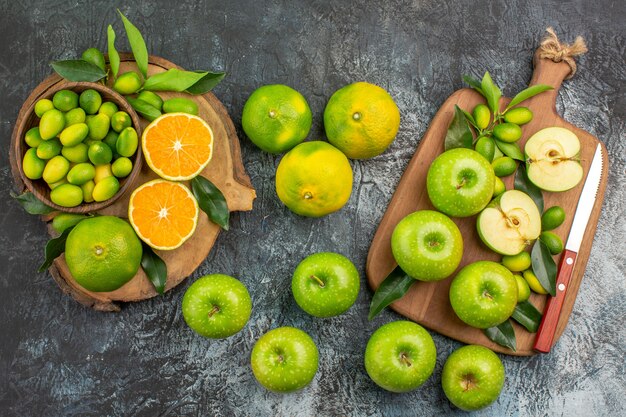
491 92
173 80
54 248
145 110
528 93
395 285
32 204
78 70
459 134
522 183
114 57
155 268
527 315
137 45
206 83
510 149
474 83
469 118
544 266
502 334
211 201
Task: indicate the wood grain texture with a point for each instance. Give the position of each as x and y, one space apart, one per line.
27 119
225 170
428 302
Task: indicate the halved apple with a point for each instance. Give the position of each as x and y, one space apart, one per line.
509 223
552 159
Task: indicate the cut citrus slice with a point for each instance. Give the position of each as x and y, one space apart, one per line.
163 213
177 146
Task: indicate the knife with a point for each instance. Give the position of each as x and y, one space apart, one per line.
552 312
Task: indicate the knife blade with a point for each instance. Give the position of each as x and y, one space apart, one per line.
552 312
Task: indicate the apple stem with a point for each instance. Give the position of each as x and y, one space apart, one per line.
214 310
405 359
463 182
319 281
469 382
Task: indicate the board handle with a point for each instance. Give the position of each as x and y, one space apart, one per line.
552 312
554 61
550 73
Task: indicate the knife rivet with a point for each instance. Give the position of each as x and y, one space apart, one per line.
561 287
569 261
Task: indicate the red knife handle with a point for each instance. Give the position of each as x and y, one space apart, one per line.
552 312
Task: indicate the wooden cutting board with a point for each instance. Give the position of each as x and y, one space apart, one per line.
428 303
225 170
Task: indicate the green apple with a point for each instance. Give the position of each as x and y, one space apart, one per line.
217 306
427 245
325 284
460 182
400 356
284 359
472 377
510 223
552 159
483 294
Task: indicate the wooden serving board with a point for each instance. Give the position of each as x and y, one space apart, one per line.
225 170
428 303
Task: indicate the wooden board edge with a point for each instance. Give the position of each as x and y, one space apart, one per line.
79 296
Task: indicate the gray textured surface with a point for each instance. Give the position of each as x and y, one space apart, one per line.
58 358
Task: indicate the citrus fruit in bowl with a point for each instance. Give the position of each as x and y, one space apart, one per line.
103 253
314 179
177 146
59 142
276 118
163 213
361 120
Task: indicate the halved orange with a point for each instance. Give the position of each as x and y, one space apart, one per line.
177 146
163 213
